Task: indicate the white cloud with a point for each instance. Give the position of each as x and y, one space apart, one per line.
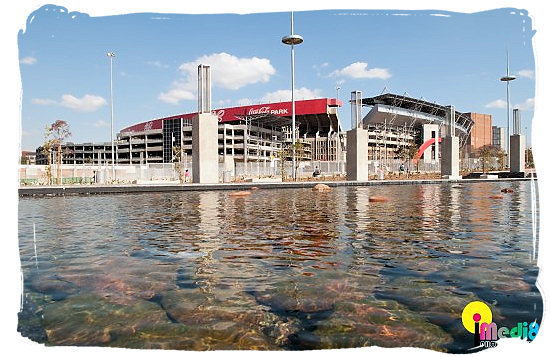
88 103
244 101
320 66
177 93
527 73
227 71
157 64
358 70
28 60
285 95
101 124
528 104
499 103
231 72
224 101
40 101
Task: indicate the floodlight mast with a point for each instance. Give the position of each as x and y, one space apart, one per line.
111 55
292 40
507 78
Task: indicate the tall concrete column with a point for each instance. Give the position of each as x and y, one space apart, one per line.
517 153
205 134
449 149
357 168
517 145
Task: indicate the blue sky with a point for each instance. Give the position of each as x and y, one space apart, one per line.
448 58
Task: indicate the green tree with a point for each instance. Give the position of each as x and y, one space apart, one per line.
486 152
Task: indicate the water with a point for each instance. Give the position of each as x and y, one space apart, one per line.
284 269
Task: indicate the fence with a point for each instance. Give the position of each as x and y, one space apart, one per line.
87 174
239 171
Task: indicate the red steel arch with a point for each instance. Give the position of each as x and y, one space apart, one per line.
424 146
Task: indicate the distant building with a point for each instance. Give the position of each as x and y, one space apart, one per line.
499 137
28 157
481 133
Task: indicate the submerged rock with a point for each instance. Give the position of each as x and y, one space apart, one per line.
375 323
90 320
240 316
53 286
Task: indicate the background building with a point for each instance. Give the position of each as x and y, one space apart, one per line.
499 137
481 133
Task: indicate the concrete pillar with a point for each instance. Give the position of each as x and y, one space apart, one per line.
449 158
427 130
517 153
436 145
205 148
205 133
449 149
356 155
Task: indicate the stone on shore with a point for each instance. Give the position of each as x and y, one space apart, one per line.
321 187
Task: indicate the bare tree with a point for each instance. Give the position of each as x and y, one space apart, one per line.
177 159
55 136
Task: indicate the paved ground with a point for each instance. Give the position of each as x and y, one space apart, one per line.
114 189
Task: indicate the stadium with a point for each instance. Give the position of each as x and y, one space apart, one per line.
257 133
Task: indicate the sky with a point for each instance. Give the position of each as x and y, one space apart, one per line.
439 56
451 71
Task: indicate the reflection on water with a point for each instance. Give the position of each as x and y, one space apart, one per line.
279 269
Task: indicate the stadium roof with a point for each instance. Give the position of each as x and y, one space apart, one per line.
313 115
402 109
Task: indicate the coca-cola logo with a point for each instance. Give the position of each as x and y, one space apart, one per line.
268 110
262 110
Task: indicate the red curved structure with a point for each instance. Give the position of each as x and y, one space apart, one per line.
424 146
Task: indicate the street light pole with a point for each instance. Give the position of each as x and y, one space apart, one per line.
337 130
507 78
111 55
292 40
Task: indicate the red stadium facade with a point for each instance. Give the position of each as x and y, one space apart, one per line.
246 133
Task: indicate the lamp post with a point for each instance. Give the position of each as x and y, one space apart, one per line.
292 40
507 78
337 130
111 55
